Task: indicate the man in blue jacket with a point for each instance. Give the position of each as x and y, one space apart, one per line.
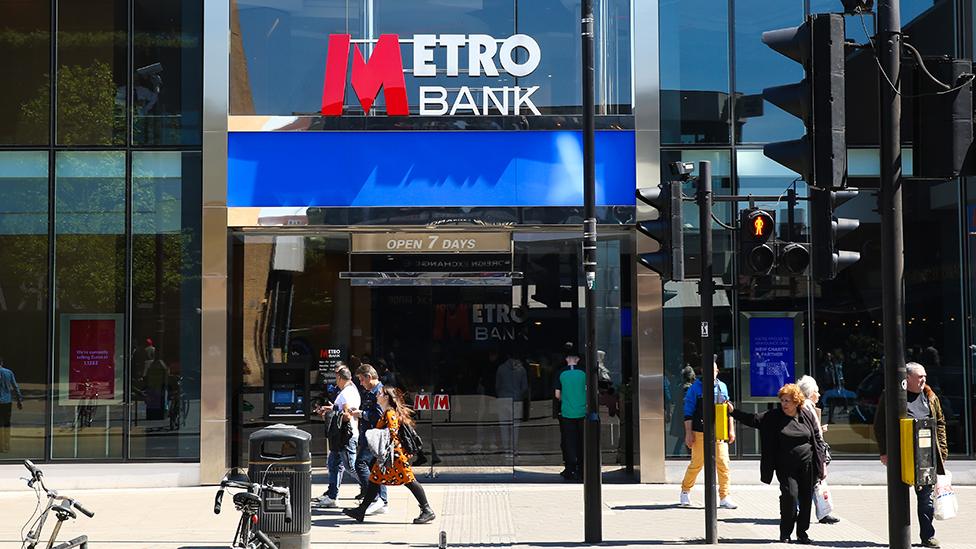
694 439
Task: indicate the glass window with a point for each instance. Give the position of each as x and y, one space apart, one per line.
492 17
168 63
91 82
682 305
933 302
555 26
25 39
23 302
694 72
277 60
757 66
87 406
721 184
165 347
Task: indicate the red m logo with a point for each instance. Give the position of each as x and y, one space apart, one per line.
384 69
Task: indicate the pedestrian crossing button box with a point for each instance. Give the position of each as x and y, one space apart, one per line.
918 447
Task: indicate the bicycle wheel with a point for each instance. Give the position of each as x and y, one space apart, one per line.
264 542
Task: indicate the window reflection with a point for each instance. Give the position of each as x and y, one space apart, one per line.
165 350
26 43
90 254
694 72
91 83
23 302
168 65
757 66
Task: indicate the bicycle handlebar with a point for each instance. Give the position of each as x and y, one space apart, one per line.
217 500
79 507
288 515
35 472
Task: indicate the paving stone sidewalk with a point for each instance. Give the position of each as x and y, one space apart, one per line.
484 515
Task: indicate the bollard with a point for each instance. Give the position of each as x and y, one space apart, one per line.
442 543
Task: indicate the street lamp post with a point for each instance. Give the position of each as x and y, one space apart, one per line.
592 517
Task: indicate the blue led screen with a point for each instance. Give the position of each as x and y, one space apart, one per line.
420 168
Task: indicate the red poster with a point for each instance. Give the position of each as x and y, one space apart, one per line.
91 363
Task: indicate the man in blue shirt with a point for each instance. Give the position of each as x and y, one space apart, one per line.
8 391
695 440
369 413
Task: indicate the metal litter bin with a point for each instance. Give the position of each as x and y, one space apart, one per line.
282 455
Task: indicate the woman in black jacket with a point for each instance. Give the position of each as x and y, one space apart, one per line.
790 449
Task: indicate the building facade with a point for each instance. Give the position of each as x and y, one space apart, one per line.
196 228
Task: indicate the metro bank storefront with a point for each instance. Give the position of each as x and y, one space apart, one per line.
404 185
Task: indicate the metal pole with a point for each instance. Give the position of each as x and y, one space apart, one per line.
705 290
592 504
893 266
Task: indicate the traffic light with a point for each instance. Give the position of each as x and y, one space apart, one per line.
668 261
820 156
793 258
825 228
756 253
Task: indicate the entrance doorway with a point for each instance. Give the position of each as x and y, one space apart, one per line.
477 356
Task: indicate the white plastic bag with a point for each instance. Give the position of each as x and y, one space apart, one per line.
822 500
946 504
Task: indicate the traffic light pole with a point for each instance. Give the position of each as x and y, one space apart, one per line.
893 265
706 291
592 504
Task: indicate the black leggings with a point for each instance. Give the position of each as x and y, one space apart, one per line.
373 490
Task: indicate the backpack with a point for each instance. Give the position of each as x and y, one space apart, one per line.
410 441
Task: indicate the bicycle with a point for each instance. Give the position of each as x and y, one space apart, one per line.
248 503
62 506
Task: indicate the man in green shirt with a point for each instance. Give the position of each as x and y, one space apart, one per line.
571 394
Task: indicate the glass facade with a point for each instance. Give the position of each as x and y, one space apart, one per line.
493 351
837 323
100 180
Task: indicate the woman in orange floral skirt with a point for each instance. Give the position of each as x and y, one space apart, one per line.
399 473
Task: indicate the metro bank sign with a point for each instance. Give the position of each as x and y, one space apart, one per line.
484 55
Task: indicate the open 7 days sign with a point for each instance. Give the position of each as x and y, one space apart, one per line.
484 54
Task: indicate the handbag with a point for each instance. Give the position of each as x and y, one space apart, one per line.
946 504
825 451
822 500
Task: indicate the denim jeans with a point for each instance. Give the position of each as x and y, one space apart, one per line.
341 460
926 512
364 460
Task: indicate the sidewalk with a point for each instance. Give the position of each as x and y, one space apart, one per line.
483 515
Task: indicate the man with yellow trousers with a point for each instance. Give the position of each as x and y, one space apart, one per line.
694 439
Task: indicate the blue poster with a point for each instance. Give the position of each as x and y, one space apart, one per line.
771 349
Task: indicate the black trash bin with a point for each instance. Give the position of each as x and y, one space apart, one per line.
281 455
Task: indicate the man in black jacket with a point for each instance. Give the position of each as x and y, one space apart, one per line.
922 403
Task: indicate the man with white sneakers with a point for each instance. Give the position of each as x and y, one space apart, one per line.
695 440
342 446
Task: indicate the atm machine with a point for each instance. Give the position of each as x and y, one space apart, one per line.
286 392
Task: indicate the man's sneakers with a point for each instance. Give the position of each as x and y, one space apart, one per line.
325 502
726 503
685 499
378 507
931 542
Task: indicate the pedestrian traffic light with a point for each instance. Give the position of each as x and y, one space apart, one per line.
793 258
820 156
825 228
756 254
668 261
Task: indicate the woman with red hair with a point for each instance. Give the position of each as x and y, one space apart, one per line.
789 436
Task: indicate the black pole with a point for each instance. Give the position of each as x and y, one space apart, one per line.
705 290
592 504
893 266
